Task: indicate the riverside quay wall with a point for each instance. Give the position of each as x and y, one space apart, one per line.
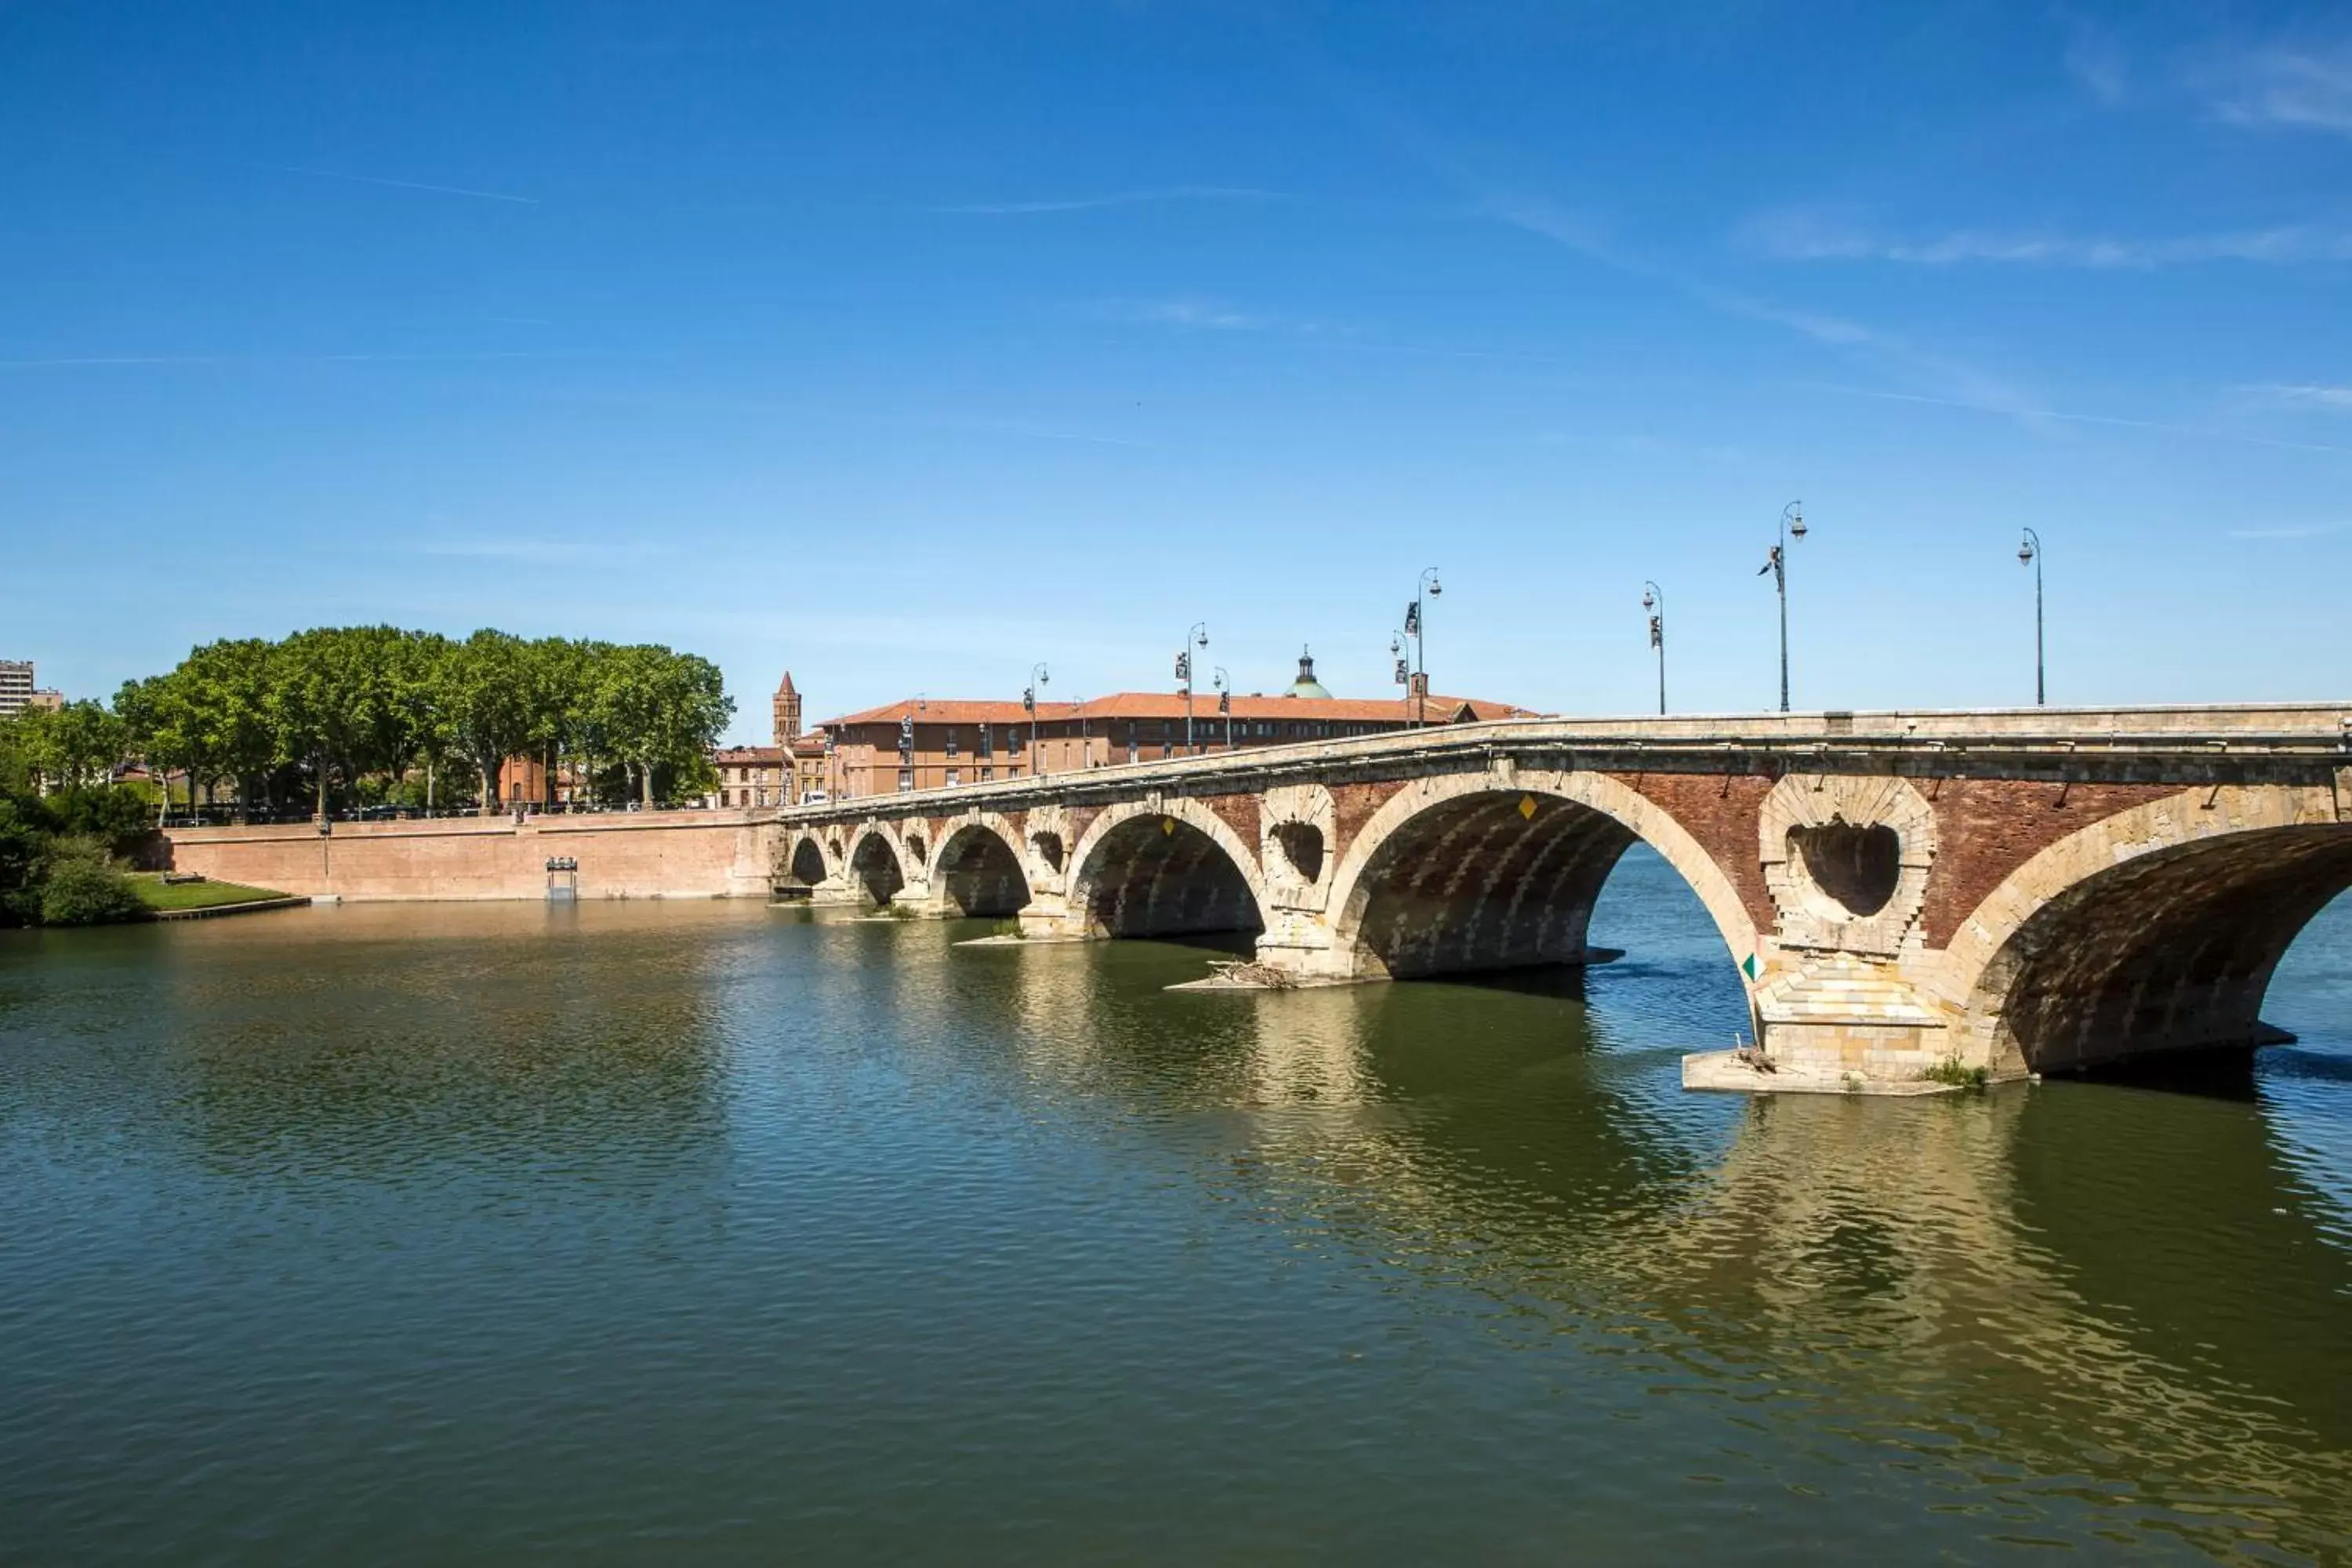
718 854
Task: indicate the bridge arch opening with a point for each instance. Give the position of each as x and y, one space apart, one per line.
2169 950
1158 874
1492 879
1477 872
807 867
980 873
874 868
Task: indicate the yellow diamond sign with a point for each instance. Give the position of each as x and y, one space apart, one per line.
1526 805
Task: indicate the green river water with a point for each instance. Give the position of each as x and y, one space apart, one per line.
672 1232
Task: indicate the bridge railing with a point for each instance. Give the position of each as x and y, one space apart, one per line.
2176 732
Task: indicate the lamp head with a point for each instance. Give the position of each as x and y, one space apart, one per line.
1435 587
1649 600
2025 552
1795 519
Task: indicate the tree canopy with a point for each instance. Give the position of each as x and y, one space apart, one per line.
344 714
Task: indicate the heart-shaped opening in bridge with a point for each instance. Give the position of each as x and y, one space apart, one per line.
1856 868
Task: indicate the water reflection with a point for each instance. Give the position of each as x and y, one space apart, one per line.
760 1235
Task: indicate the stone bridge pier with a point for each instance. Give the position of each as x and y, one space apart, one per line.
1905 899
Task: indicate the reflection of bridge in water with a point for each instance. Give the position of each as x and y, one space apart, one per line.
2013 891
2130 1294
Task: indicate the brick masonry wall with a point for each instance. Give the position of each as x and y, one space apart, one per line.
1721 811
1987 828
632 855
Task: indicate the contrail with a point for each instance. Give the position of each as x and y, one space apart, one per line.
410 184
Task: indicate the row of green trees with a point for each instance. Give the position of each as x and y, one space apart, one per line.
364 713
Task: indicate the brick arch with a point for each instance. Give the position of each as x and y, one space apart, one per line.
1159 869
804 853
876 863
2156 929
977 866
1491 871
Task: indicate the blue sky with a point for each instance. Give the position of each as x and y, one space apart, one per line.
906 345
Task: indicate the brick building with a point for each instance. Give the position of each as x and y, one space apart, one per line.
775 775
926 743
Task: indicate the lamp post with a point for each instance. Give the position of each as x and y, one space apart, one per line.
2029 553
1653 599
1225 704
1038 676
1197 634
1415 627
1793 526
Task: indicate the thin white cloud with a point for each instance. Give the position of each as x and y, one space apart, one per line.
105 361
2013 411
1203 313
1589 239
1114 199
1029 430
2307 395
538 552
2306 531
2094 57
1799 234
2306 88
411 185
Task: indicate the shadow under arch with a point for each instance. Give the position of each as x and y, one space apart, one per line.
980 872
1473 873
2156 930
807 867
873 868
1170 869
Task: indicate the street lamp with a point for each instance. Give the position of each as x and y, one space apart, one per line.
1197 634
1415 627
2029 553
1653 599
1793 526
1038 676
1225 704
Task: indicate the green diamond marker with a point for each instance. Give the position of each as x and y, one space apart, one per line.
1748 965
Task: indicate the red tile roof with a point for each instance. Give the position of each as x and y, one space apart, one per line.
1171 705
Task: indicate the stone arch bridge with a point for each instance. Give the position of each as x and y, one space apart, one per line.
2015 890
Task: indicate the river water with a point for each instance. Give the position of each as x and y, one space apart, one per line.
666 1232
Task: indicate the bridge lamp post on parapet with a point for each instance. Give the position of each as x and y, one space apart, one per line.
1198 634
1793 526
1225 704
1415 626
1653 599
2029 553
1038 676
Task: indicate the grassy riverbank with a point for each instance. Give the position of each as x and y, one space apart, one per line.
163 898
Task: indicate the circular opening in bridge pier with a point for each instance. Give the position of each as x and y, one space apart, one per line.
1049 849
1302 846
1855 869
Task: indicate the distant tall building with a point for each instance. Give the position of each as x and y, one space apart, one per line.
787 711
17 690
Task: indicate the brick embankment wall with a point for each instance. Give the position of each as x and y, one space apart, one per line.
623 854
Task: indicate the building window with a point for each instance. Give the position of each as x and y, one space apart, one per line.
906 780
986 773
951 742
955 778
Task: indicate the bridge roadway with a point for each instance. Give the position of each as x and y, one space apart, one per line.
2019 890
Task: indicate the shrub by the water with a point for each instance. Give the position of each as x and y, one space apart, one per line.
83 887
